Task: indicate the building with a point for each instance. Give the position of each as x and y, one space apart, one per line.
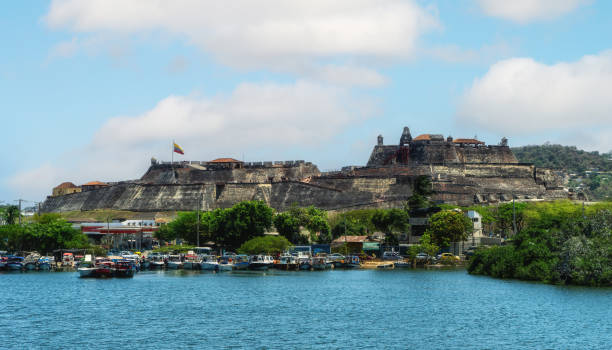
65 188
93 185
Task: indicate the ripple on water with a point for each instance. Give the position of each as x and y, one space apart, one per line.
324 310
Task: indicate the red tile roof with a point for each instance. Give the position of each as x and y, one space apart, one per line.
471 141
423 137
66 185
225 160
95 183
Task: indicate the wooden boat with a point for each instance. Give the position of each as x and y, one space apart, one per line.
351 262
124 268
156 261
86 269
67 259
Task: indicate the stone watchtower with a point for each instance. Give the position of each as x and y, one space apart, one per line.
406 137
380 140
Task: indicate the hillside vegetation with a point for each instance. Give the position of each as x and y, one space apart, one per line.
590 172
567 158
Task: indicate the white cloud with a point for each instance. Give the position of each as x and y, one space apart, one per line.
348 75
522 96
252 118
64 49
523 11
270 34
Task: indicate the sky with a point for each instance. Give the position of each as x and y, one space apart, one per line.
92 90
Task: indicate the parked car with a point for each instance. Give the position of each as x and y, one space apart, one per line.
448 257
422 257
392 256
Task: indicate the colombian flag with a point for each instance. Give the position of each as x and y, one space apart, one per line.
178 149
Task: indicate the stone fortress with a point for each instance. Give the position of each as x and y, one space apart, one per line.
462 171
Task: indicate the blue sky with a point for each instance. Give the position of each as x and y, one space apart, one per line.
92 90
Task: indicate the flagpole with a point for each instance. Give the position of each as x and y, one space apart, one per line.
172 161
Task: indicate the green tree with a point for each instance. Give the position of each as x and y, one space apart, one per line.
265 245
449 226
232 227
391 221
11 214
288 226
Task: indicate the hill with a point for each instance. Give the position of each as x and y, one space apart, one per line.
567 158
590 172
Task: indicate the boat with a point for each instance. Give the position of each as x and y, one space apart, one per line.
401 264
67 259
351 262
124 268
174 262
104 267
44 264
241 262
192 262
86 269
29 263
3 262
287 262
209 263
14 263
260 262
156 261
226 262
387 265
319 263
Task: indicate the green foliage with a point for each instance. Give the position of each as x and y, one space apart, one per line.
449 226
561 244
174 249
568 158
234 226
48 233
265 245
390 222
10 214
421 192
315 220
425 245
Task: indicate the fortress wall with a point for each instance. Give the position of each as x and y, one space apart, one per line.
284 194
162 173
485 154
371 184
380 154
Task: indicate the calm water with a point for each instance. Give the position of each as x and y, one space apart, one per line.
290 310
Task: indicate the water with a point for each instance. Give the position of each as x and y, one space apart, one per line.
307 310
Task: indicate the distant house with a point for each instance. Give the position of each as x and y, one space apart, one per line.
225 163
357 244
93 185
65 188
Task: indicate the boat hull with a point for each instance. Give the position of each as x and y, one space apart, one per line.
191 265
259 266
209 266
175 265
86 272
14 266
226 267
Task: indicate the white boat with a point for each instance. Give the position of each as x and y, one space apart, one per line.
192 262
209 262
156 261
226 263
88 270
260 262
287 262
174 262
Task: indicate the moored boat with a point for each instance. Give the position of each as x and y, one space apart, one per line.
124 268
86 269
351 262
241 262
156 261
226 263
287 262
319 263
260 262
209 263
44 264
192 262
14 263
174 262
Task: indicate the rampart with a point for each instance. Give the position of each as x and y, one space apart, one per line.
463 172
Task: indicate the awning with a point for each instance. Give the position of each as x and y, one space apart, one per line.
371 246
